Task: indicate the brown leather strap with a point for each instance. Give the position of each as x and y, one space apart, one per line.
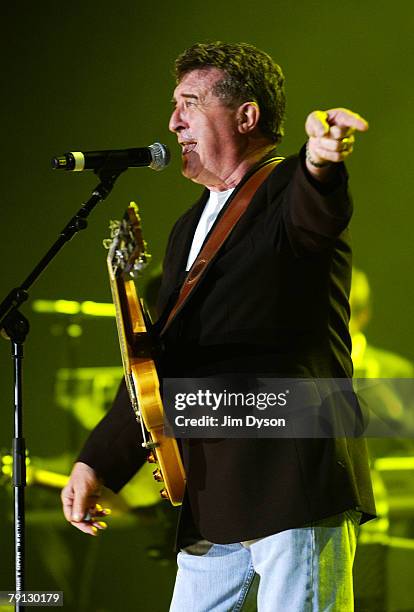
219 235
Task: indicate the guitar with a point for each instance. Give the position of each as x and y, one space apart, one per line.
127 256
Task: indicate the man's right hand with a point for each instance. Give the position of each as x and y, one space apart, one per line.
80 497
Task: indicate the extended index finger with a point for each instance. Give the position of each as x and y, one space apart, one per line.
344 117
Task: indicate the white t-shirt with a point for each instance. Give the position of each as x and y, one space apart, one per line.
211 210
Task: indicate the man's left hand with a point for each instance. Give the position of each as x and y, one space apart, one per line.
331 137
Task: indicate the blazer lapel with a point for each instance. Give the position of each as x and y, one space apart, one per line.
177 259
187 231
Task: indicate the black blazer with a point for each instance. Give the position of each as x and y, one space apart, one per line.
274 302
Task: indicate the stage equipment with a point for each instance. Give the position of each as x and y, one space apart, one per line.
156 156
15 327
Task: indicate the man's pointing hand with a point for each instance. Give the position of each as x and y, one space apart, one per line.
331 137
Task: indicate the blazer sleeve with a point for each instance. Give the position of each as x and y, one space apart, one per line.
316 213
113 449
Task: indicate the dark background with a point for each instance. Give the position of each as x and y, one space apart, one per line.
96 75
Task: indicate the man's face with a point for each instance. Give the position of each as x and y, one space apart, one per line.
206 129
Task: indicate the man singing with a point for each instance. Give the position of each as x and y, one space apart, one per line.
274 302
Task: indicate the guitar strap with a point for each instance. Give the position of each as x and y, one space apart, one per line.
219 235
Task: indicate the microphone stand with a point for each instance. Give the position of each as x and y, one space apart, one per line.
14 326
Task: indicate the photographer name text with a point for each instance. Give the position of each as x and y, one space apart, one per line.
228 421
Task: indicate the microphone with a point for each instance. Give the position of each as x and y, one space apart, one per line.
156 156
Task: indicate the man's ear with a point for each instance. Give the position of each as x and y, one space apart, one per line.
248 115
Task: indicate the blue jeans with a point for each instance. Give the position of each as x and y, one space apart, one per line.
308 569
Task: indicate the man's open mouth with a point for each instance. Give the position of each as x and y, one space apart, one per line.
187 147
